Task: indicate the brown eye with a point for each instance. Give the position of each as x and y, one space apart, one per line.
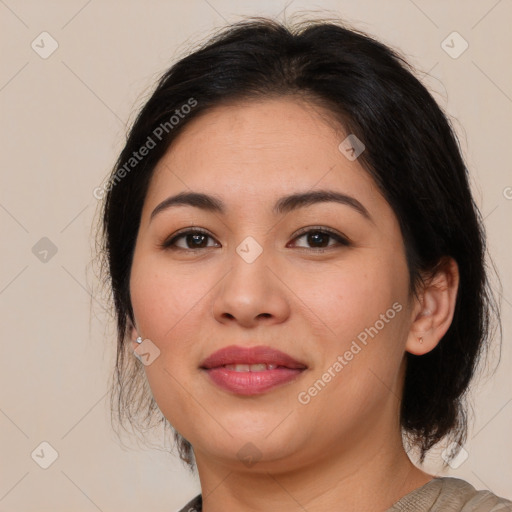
320 238
192 239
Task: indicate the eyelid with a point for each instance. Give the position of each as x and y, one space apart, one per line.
324 229
170 240
340 238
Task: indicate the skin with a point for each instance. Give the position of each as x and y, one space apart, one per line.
344 446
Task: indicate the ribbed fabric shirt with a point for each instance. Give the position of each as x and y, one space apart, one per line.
442 494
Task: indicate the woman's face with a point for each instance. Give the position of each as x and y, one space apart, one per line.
336 303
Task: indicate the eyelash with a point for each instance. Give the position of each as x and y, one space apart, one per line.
169 244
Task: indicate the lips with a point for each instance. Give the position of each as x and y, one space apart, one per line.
251 371
235 355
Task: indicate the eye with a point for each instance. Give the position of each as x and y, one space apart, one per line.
192 239
319 237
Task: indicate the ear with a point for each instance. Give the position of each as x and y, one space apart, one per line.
434 308
133 333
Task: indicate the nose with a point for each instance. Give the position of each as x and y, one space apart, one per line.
251 293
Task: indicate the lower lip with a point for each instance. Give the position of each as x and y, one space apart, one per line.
251 383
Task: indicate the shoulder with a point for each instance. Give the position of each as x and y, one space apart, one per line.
448 494
444 494
194 505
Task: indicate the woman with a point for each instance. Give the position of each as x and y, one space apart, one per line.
298 262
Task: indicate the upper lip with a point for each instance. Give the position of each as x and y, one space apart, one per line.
250 355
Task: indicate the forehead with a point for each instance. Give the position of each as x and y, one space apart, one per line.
260 149
262 130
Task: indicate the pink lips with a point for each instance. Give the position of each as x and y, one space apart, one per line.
251 382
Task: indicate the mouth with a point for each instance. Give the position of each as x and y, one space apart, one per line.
258 367
243 359
251 371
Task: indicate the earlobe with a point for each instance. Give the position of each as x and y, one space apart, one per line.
133 334
436 305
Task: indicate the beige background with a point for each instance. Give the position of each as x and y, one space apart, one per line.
63 120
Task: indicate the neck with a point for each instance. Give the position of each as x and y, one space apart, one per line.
349 479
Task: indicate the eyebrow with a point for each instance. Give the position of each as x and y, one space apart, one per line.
284 205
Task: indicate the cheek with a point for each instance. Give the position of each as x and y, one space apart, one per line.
164 305
363 313
163 297
351 297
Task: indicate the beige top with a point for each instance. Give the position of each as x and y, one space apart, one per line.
442 494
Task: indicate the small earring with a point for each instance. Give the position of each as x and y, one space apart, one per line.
139 340
420 339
